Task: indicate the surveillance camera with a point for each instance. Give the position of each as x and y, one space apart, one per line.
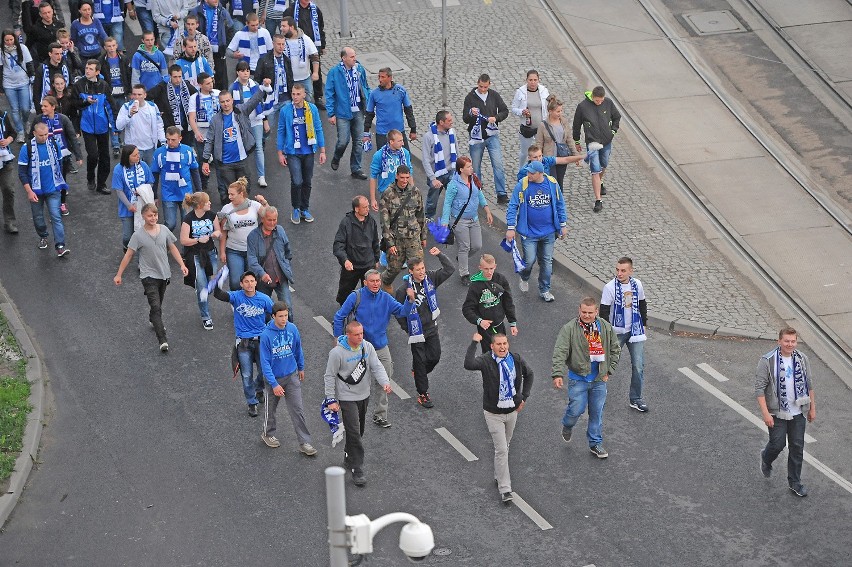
416 541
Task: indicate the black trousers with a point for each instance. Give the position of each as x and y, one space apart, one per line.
348 282
354 418
97 157
424 358
227 173
155 290
220 75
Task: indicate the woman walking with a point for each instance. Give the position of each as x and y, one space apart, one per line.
461 212
238 218
198 234
153 243
16 68
554 136
128 176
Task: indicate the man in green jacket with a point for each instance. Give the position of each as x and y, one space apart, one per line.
588 346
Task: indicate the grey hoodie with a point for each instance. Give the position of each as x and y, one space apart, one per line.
342 360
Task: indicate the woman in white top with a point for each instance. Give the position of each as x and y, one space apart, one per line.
238 218
16 68
530 104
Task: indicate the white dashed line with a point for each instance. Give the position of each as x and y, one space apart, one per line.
456 444
531 514
712 372
397 389
323 322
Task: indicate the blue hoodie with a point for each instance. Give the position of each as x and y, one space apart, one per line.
280 352
545 199
373 313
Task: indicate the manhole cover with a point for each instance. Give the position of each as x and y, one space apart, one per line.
372 62
442 551
711 23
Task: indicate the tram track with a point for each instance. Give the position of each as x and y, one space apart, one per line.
831 344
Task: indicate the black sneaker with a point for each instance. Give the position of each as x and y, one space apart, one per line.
425 401
358 477
465 279
599 451
104 191
502 199
359 175
639 406
335 163
566 433
383 423
252 410
603 189
765 468
259 396
91 185
507 498
598 206
799 490
116 153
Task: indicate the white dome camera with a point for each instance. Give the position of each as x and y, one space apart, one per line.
416 541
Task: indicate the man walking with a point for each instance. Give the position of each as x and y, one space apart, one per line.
345 99
274 70
96 122
268 256
308 17
356 246
599 118
304 58
589 348
7 175
420 323
783 385
172 165
483 112
251 42
283 365
352 366
384 163
373 306
148 65
489 303
439 145
403 224
216 23
172 99
55 64
203 105
191 62
300 136
387 104
141 123
623 305
506 384
537 213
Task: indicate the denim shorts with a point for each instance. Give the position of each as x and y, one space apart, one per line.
600 159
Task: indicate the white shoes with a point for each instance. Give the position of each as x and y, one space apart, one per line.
262 181
522 285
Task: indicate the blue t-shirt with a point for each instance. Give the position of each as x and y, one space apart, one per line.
88 37
388 105
590 377
302 134
44 167
171 189
547 161
127 182
231 143
385 178
540 221
115 73
250 313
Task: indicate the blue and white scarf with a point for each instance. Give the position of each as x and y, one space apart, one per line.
46 77
244 43
507 380
237 93
133 177
172 169
279 7
517 257
280 87
116 10
476 136
212 27
178 100
637 329
415 324
800 383
352 81
57 132
332 418
303 50
169 48
314 21
438 150
55 167
389 166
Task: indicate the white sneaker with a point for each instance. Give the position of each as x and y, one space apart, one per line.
522 285
270 440
164 347
547 297
262 181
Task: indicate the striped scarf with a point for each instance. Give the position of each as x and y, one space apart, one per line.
507 380
5 154
314 21
172 168
206 107
116 10
237 7
239 99
57 133
134 176
391 159
303 51
637 329
438 150
280 6
244 44
800 383
55 167
178 100
309 126
352 81
46 78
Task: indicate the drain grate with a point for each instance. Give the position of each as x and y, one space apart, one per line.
712 23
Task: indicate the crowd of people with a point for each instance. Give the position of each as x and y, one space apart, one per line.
171 118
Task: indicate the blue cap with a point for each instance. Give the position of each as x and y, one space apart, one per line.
535 167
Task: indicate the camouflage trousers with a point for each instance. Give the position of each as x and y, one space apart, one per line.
406 248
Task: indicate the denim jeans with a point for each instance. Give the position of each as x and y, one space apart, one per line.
540 248
350 128
20 101
599 159
252 383
272 26
637 363
793 432
52 200
495 153
146 20
282 293
434 195
127 230
201 281
116 31
586 394
259 160
237 264
172 213
301 168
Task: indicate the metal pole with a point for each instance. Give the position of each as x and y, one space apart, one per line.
444 82
335 500
344 19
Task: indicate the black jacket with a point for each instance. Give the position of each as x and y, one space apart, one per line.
265 69
494 106
486 364
599 122
159 95
38 82
437 277
305 23
124 65
491 300
357 241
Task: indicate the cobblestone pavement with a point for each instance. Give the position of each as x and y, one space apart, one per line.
686 277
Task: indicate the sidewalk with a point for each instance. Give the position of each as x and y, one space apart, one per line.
689 281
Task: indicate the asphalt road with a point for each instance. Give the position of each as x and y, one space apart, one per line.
150 459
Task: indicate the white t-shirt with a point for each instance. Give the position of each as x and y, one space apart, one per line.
608 298
204 109
14 71
294 48
243 224
787 363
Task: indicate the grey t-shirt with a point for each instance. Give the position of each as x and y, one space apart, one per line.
153 252
534 106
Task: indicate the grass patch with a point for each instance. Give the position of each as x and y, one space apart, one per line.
14 396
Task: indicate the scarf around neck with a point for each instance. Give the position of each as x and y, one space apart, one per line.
244 43
507 380
57 132
55 167
415 323
314 21
801 393
172 169
354 84
391 159
592 333
438 149
637 329
309 126
177 101
116 10
134 176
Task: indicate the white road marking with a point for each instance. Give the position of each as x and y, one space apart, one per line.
531 514
712 372
397 389
729 401
456 444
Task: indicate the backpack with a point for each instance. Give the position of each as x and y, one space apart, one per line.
351 316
